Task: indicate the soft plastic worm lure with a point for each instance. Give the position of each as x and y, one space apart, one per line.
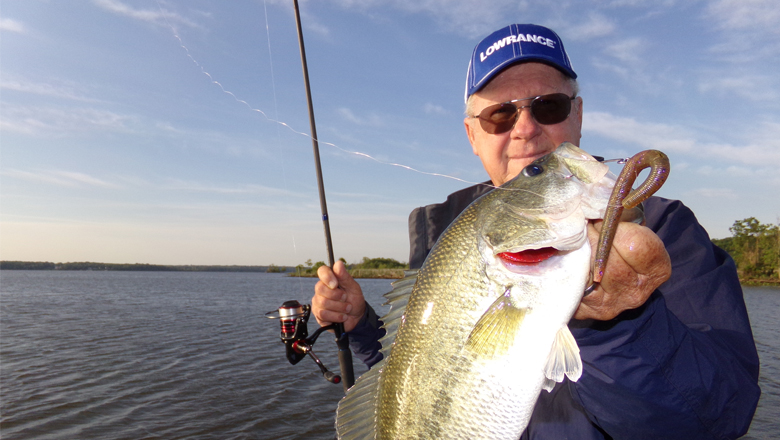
624 197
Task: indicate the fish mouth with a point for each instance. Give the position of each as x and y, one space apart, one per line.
524 260
528 257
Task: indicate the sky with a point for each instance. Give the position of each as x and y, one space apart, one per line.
177 132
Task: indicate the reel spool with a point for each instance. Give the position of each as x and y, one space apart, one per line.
293 319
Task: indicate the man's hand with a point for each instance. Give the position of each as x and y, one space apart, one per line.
337 297
638 263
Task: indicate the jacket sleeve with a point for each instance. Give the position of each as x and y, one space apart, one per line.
364 338
684 365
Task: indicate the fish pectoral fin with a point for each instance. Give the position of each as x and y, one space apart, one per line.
548 384
564 359
495 331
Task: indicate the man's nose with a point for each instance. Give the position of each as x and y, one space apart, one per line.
526 126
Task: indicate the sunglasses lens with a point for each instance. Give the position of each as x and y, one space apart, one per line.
498 118
546 110
551 109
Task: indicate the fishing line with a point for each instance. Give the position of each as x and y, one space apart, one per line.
284 124
228 92
278 133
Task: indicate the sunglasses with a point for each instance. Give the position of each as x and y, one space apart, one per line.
545 109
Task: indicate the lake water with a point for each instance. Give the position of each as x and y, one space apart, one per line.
167 355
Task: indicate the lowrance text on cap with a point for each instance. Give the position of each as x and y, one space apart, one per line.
514 44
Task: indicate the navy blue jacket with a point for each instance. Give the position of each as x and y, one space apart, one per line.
682 366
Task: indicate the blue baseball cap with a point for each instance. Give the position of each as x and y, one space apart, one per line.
514 44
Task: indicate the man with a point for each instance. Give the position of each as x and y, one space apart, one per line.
665 338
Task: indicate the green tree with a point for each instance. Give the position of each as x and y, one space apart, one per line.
380 263
274 269
755 248
26 265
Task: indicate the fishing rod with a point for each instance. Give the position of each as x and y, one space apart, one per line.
293 316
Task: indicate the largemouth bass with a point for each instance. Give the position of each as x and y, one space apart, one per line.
481 329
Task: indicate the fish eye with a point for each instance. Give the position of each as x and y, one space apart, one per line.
533 170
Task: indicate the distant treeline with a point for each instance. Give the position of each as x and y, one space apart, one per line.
87 265
368 268
755 247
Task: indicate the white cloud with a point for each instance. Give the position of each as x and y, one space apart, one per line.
755 15
767 133
713 193
464 17
43 89
750 30
596 25
627 50
753 86
190 186
73 179
752 153
679 166
311 22
59 121
645 134
59 178
370 120
740 171
157 16
9 25
573 19
761 146
744 50
434 109
626 58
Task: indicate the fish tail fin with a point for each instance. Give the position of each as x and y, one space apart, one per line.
564 359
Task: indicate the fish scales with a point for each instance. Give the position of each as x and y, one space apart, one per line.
479 338
444 276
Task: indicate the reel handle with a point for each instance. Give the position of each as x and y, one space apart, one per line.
332 377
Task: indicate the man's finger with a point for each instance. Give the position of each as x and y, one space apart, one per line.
345 280
326 275
336 306
326 317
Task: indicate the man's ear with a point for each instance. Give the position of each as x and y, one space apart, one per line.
578 112
471 133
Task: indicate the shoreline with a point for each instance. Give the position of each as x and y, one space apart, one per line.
758 282
289 271
390 274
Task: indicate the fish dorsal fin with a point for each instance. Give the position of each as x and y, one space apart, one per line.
357 411
564 359
495 331
397 299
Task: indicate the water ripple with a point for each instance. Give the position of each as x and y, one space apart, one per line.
146 355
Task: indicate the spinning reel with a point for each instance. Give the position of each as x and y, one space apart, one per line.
293 318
